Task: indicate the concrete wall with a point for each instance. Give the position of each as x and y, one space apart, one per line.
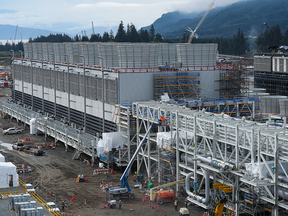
208 84
135 87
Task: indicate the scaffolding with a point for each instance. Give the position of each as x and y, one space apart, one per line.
127 124
234 82
178 84
242 155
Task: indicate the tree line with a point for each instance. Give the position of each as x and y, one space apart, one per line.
237 45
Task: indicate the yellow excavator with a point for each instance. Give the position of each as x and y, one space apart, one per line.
218 200
217 203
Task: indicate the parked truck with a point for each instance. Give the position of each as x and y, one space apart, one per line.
18 146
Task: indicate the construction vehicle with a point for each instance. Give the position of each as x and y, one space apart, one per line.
164 195
12 130
119 192
216 205
18 146
183 212
112 204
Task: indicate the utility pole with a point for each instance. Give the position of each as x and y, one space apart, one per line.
103 125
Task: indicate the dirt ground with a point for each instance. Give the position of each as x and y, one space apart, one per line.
57 172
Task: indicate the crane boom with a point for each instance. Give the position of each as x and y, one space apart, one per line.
15 34
152 193
199 24
93 28
123 179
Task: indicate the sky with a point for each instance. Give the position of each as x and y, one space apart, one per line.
71 16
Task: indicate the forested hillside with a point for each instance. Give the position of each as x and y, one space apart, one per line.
249 16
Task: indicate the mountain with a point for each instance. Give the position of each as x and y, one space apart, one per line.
8 31
249 16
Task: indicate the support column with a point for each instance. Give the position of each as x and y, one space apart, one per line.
128 133
93 152
66 140
148 143
275 210
137 135
177 150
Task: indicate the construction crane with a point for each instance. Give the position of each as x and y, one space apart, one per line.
119 192
93 29
21 36
15 34
199 24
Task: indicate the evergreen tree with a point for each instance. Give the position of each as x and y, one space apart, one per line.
95 38
134 37
158 38
240 43
285 38
143 35
185 37
85 38
152 33
276 36
121 34
76 38
111 35
128 33
105 37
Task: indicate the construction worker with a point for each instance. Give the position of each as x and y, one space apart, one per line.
185 203
120 203
63 205
176 204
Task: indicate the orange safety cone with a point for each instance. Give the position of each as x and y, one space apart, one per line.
146 197
112 171
131 207
73 197
86 179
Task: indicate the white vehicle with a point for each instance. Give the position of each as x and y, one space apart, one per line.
184 212
30 188
12 131
53 207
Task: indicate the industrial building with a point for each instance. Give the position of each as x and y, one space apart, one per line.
270 71
196 141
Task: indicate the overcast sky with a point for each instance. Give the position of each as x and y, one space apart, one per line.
72 15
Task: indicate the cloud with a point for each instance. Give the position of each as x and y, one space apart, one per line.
200 5
4 11
74 16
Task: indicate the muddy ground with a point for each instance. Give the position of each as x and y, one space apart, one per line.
56 171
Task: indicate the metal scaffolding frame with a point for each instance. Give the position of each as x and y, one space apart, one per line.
81 142
234 82
228 144
178 84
